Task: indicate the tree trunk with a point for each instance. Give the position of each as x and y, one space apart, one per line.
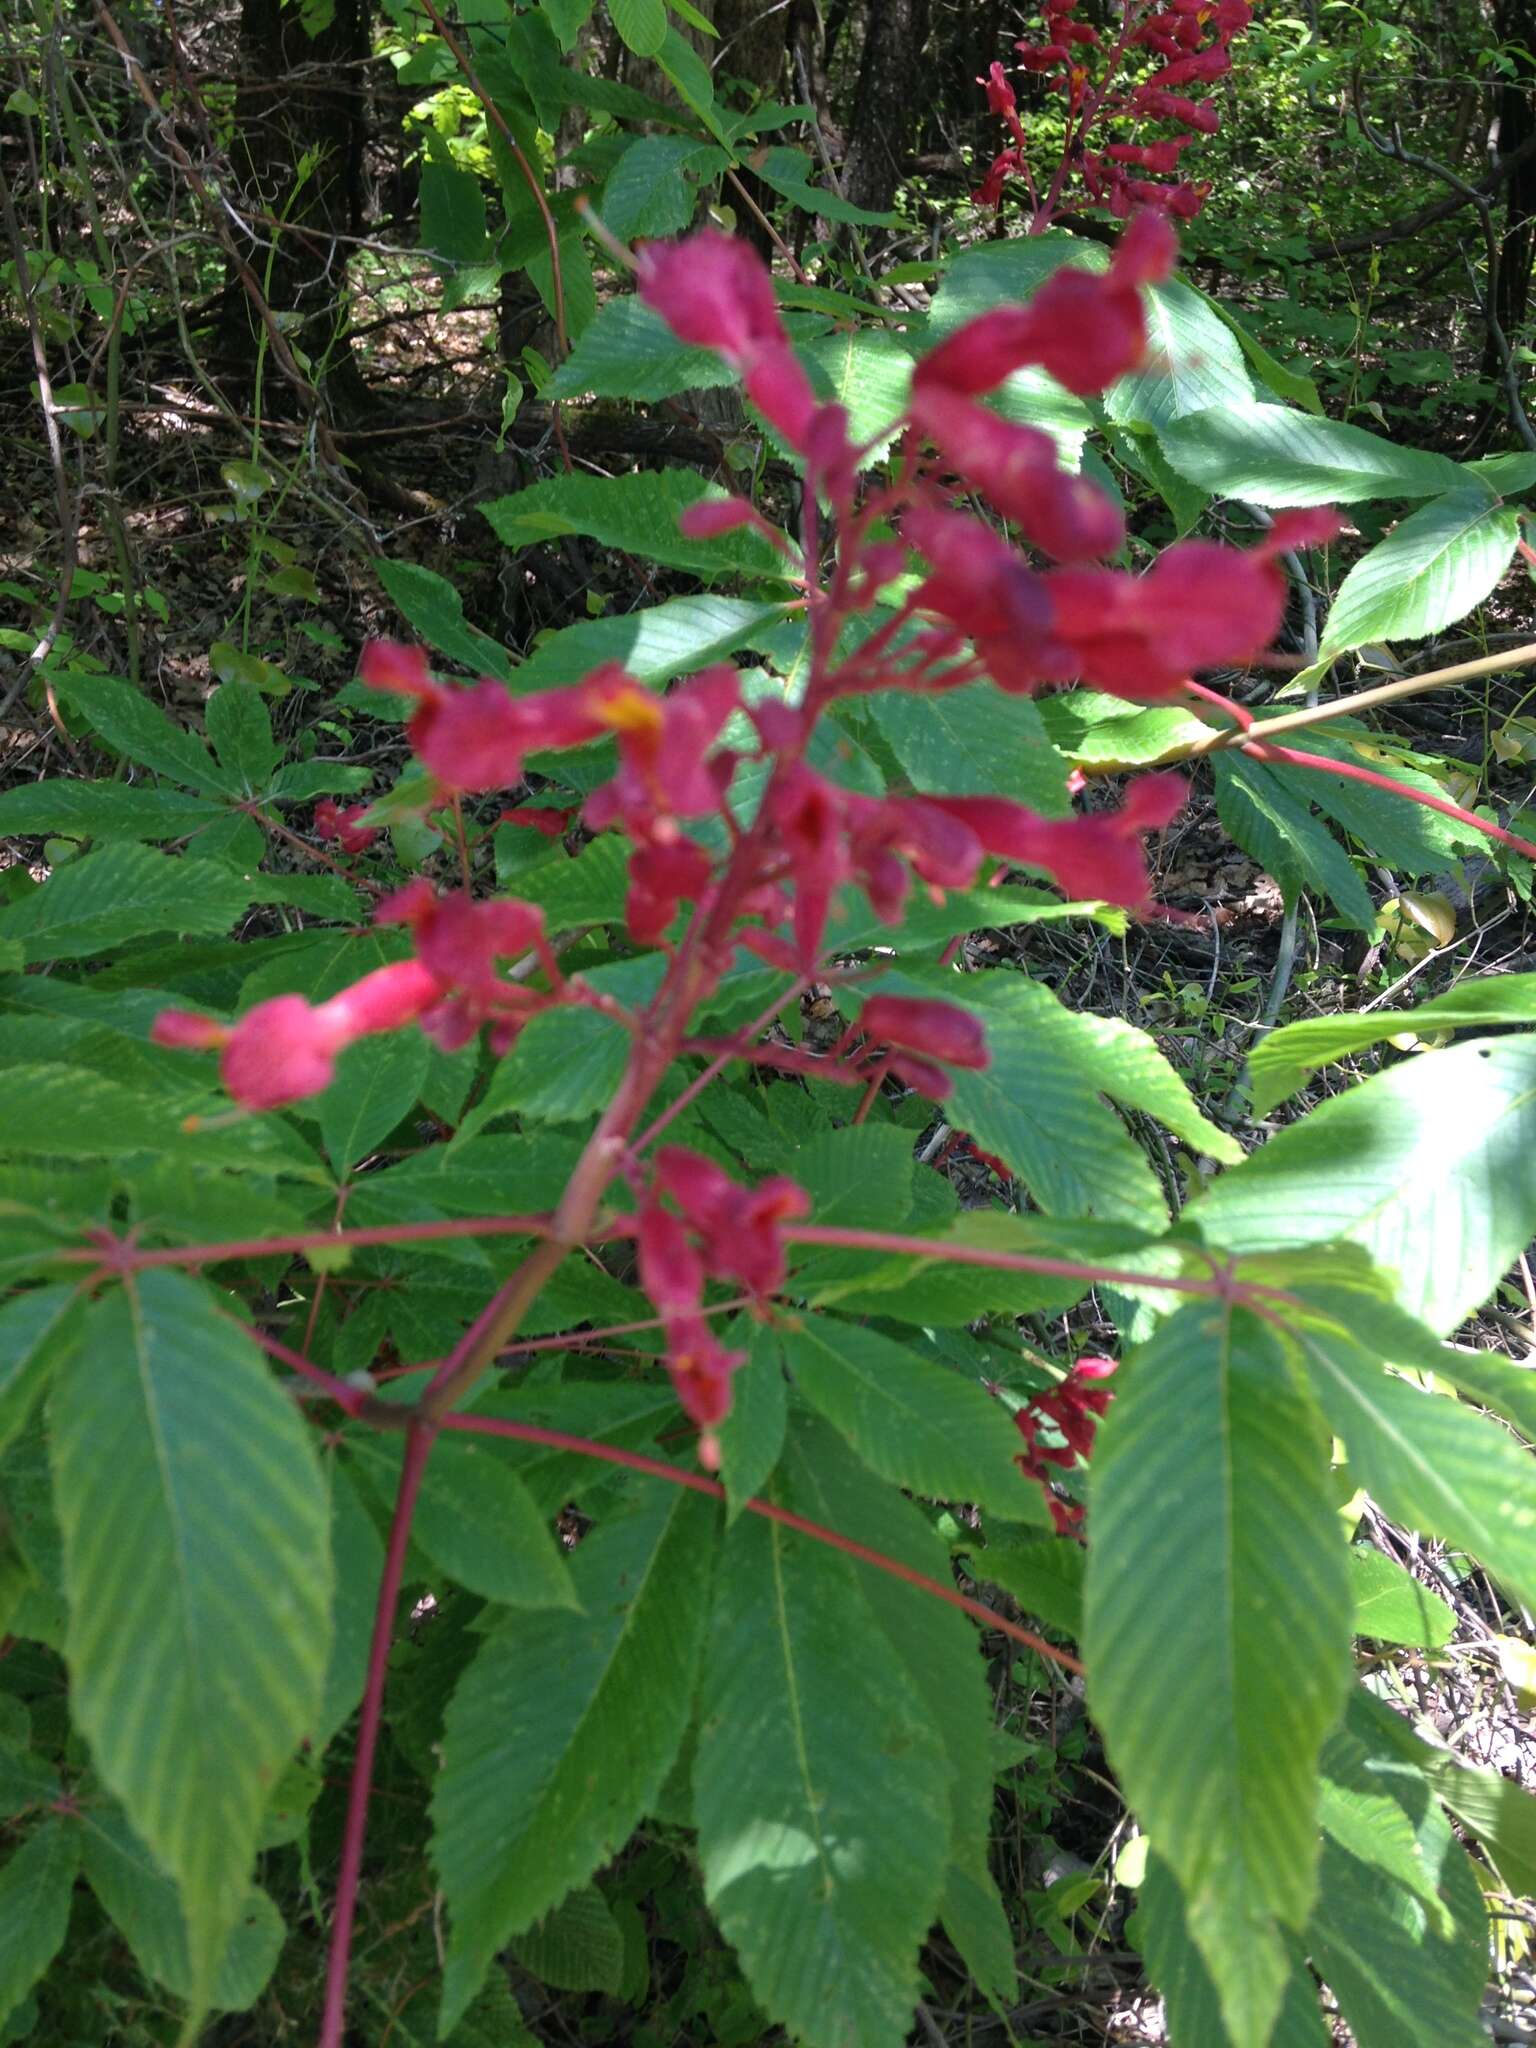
1515 22
884 102
298 160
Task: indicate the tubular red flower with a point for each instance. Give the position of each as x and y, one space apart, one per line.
661 874
331 823
1017 468
711 517
458 944
1085 329
188 1031
1073 1408
713 291
1095 856
919 1024
385 1000
665 767
280 1052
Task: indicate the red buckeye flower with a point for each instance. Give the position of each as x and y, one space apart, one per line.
1017 468
1095 856
285 1048
460 941
331 823
1073 1408
920 1024
664 742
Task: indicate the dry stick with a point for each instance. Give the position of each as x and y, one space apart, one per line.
1362 700
418 1444
472 79
678 1475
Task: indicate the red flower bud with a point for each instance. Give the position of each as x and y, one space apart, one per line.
280 1052
188 1031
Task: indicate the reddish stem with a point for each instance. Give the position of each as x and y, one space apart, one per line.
418 1445
676 1475
847 1238
1352 771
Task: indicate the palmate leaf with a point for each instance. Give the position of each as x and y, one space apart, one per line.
1180 1973
103 810
1193 362
1400 1982
975 739
1269 814
1039 1106
1431 570
198 1574
138 730
637 513
37 1331
475 1519
1217 1635
562 1730
146 1908
821 1791
1430 1168
1271 455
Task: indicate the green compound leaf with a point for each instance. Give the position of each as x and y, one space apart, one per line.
1432 1464
1179 1971
1217 1635
561 1732
642 24
145 1906
197 1569
96 904
638 514
1280 1063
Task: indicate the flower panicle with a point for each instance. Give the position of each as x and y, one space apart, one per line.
743 838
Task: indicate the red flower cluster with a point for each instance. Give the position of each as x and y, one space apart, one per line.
342 826
718 1231
1073 1409
1201 605
1192 38
772 852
